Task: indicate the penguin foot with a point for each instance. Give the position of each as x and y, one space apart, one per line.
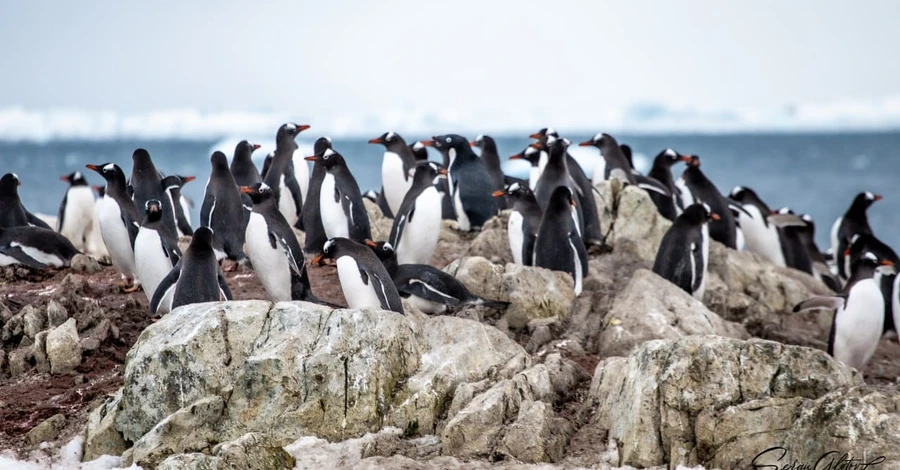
229 266
130 288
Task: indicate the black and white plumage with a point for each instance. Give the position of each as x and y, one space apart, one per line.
312 213
35 247
491 158
340 201
364 279
700 189
537 159
617 165
523 223
558 246
146 182
12 212
858 321
222 210
854 222
807 234
396 167
76 212
795 253
661 171
195 279
242 167
118 219
429 289
417 224
181 211
470 182
280 174
760 236
683 254
155 252
419 150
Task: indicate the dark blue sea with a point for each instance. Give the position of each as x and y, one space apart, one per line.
818 174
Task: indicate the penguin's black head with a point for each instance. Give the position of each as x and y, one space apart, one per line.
556 145
428 172
599 140
561 198
865 199
218 160
383 250
171 182
321 145
542 134
74 179
107 170
290 129
334 248
328 159
202 239
245 147
9 184
141 156
698 214
153 209
419 150
667 158
450 141
531 155
258 192
691 160
388 139
515 190
485 142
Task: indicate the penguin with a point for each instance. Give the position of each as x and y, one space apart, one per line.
821 271
273 248
491 159
760 236
858 321
195 279
448 212
629 157
222 210
118 222
340 202
854 221
419 150
556 172
95 245
683 254
417 224
523 223
267 163
312 215
795 253
76 212
699 187
280 177
662 171
180 212
616 163
396 165
470 184
428 288
364 279
558 246
155 252
242 167
35 247
12 212
147 183
537 159
864 243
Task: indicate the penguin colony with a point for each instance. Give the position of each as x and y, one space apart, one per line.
248 216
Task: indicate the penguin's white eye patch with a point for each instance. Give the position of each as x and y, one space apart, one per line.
870 256
328 139
447 140
77 175
514 187
551 130
530 150
109 167
328 245
388 246
806 218
264 187
673 154
598 137
328 153
389 137
706 207
870 196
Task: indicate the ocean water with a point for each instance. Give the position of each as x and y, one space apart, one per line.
815 173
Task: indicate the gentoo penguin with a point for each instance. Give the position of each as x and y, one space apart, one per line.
558 246
699 187
364 279
279 173
616 163
537 159
821 271
12 212
491 159
147 183
340 202
854 221
242 167
760 235
95 246
629 157
556 172
76 212
864 243
273 248
222 210
312 215
524 221
118 222
195 279
470 183
419 150
35 247
661 171
180 210
858 313
155 252
396 167
267 163
795 253
683 254
429 289
417 224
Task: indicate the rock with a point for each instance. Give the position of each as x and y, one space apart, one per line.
492 242
82 263
5 313
187 430
648 401
64 348
380 225
33 321
89 315
56 313
100 434
90 344
100 332
47 430
19 361
537 435
251 452
629 220
4 367
668 313
39 351
79 379
13 328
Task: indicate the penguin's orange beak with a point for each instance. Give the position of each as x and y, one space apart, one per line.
887 262
473 144
878 197
371 244
714 216
498 193
257 146
318 260
97 188
517 156
686 158
537 145
535 136
64 178
92 167
427 143
586 143
311 158
246 190
847 252
376 140
302 127
442 171
188 179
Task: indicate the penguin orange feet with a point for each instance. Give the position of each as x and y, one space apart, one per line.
229 266
128 286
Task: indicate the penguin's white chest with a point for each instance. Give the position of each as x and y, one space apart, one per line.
579 276
759 238
461 217
286 204
276 273
115 236
150 260
420 236
357 293
701 270
516 235
858 325
185 208
687 197
334 220
394 181
301 173
78 215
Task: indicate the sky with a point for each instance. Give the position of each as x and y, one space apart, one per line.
481 60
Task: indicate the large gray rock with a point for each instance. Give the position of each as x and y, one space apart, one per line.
34 321
629 220
100 434
64 348
492 242
379 224
252 451
47 430
649 401
191 429
652 308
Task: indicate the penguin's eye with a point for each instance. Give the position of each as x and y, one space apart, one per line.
447 140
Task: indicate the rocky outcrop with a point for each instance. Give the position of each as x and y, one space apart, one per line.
100 434
492 242
629 220
64 348
252 451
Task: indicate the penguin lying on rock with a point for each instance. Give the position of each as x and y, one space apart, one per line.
34 247
364 279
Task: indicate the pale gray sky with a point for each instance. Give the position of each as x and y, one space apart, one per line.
328 58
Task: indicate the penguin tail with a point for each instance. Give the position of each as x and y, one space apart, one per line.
820 301
493 304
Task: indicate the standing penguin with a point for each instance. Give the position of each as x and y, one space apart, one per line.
278 175
12 212
118 222
662 171
684 251
417 224
273 248
558 246
35 247
76 213
723 229
858 313
197 277
146 182
312 214
795 253
537 159
222 210
855 221
242 167
364 279
491 159
470 183
180 212
340 202
95 246
419 150
821 271
396 169
155 252
523 224
617 165
760 236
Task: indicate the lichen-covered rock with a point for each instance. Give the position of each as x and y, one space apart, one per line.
82 263
629 220
380 225
47 430
492 242
189 429
652 308
56 313
537 435
100 434
34 321
39 351
64 348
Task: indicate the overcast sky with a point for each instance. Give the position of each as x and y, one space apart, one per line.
328 58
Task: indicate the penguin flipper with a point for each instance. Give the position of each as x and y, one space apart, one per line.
171 251
528 249
61 215
164 286
206 209
420 288
397 228
820 301
17 254
223 286
785 220
578 242
378 285
35 221
131 226
383 205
